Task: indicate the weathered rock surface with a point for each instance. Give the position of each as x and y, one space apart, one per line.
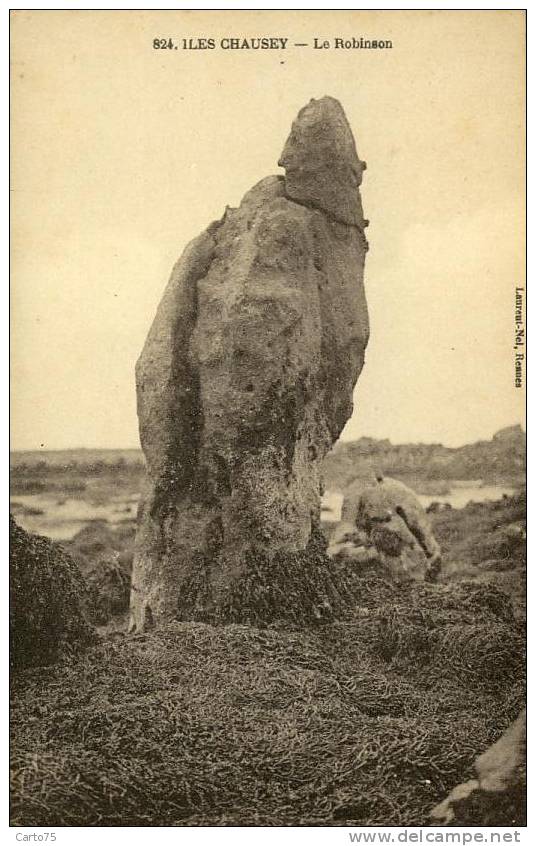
49 602
498 795
397 527
247 374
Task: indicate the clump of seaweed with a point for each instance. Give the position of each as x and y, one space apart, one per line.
296 589
104 555
290 590
109 583
49 602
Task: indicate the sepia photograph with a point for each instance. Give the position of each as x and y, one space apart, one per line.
267 534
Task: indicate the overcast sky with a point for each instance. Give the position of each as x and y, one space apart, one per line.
121 154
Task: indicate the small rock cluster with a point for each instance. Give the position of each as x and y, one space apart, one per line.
391 529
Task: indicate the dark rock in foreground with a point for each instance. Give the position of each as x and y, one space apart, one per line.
49 602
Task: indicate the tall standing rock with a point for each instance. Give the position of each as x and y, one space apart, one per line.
246 378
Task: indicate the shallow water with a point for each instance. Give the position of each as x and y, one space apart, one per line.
461 492
61 517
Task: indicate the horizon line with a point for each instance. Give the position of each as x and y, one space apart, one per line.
337 443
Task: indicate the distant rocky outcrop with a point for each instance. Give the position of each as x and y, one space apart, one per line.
513 435
247 375
501 459
50 605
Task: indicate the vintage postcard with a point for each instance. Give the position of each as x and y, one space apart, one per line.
268 485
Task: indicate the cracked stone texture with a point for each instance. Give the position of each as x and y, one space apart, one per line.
246 377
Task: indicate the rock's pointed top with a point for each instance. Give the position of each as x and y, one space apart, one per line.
321 161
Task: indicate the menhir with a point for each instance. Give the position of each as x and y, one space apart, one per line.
246 378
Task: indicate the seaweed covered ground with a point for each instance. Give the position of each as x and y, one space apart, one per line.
486 543
369 719
366 721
